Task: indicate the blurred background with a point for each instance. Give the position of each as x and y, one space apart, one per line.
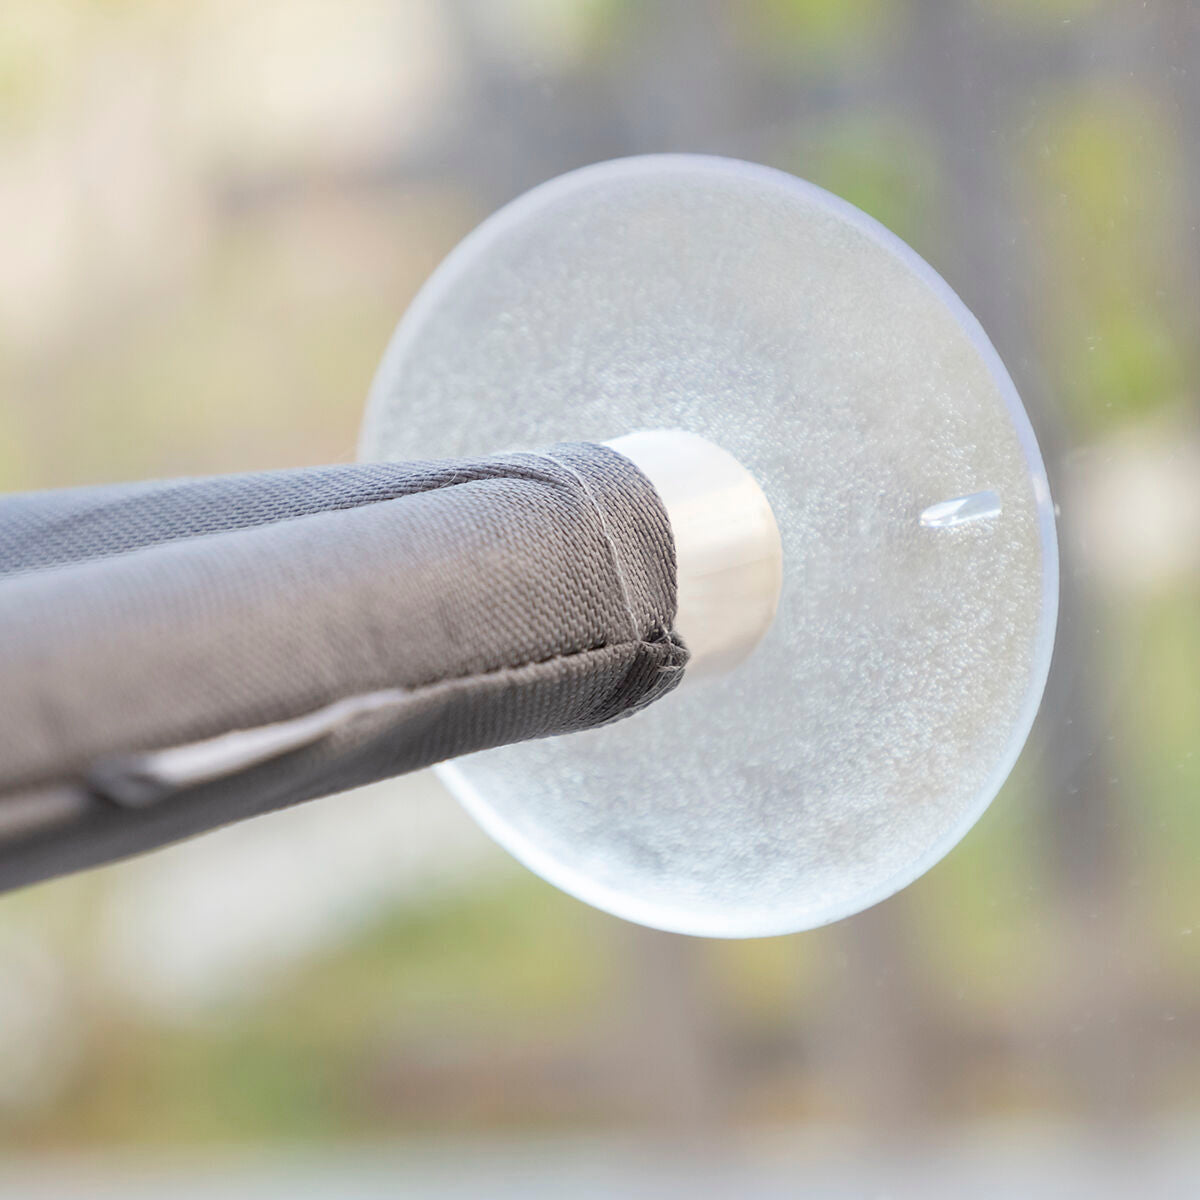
212 214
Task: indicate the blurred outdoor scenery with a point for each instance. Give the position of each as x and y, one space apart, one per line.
213 213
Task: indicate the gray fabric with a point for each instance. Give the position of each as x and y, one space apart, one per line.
45 529
500 599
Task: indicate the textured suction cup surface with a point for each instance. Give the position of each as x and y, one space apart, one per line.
889 700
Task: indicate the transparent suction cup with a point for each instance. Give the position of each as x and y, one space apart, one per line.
889 699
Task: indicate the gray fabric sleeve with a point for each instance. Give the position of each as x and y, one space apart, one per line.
358 621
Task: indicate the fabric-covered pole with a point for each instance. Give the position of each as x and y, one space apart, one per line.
179 655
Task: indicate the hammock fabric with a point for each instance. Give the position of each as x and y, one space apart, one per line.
178 655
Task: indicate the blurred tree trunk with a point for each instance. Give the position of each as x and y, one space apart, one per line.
1172 42
976 87
667 1046
872 1041
880 1030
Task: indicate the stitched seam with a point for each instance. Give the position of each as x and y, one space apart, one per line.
95 770
633 643
606 530
36 565
562 656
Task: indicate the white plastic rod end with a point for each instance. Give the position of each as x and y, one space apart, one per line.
729 558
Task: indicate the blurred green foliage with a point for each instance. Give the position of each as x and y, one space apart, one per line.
1106 188
811 31
879 163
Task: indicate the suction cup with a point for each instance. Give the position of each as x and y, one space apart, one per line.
891 695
